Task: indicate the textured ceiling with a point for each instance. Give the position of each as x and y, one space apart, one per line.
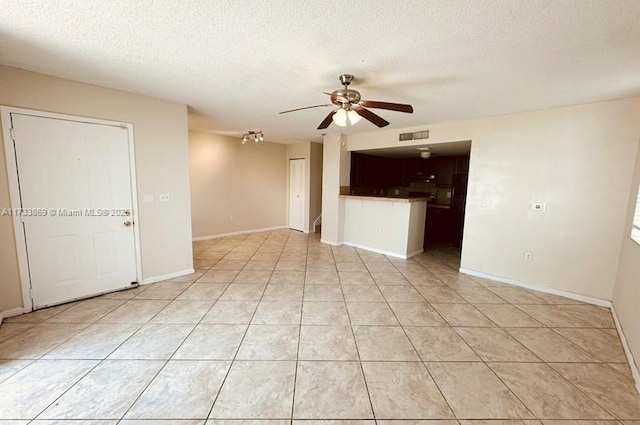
237 63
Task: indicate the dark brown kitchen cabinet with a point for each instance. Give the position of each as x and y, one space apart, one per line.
446 170
437 229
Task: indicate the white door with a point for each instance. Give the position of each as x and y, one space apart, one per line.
75 188
296 194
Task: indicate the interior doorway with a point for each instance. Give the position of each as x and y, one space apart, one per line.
296 194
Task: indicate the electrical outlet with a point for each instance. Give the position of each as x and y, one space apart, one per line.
484 204
164 197
528 257
537 206
378 231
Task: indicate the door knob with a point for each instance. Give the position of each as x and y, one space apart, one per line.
128 223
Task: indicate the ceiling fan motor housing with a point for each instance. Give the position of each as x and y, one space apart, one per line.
345 98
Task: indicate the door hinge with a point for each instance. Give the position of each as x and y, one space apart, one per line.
31 293
12 132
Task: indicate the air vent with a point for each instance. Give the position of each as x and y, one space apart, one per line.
421 135
404 137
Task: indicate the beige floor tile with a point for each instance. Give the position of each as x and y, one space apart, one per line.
171 394
404 390
94 342
553 316
479 295
252 276
324 313
371 314
270 342
516 295
38 340
598 317
622 368
163 291
323 293
9 330
278 313
86 311
495 345
578 422
462 315
440 344
291 265
402 294
547 394
211 342
331 390
283 292
183 311
380 267
327 343
204 263
422 278
321 278
474 392
389 278
31 390
610 389
218 276
248 422
436 294
506 315
135 311
418 422
384 343
231 312
549 346
39 315
290 277
11 367
203 291
555 299
417 314
356 278
266 265
314 267
189 278
154 341
350 266
362 293
106 392
506 422
229 264
70 422
596 342
257 389
243 292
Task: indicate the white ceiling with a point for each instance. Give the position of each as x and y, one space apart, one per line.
237 63
439 149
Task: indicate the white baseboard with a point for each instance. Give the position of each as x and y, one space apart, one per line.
155 279
414 253
378 251
241 232
627 350
332 243
10 313
545 289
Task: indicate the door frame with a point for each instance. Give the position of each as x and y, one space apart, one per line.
14 189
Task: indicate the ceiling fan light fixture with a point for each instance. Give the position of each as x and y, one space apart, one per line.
340 118
425 154
353 117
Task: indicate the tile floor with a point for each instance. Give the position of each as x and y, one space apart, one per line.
278 326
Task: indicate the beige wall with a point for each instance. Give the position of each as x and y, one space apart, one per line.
627 291
160 130
578 160
335 173
235 187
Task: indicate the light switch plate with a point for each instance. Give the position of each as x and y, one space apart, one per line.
164 197
148 197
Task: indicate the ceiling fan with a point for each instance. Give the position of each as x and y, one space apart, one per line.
350 107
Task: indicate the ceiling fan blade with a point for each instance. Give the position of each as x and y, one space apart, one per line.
399 107
376 119
327 121
306 107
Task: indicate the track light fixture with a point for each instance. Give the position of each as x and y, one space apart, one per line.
257 136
